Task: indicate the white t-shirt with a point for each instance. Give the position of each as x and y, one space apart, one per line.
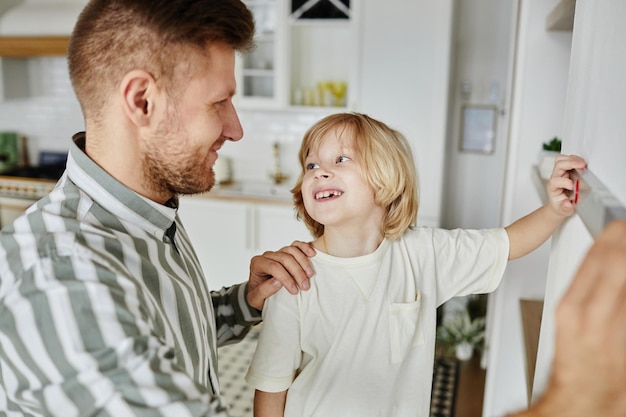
360 342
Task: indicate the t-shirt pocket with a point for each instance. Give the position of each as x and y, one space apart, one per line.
405 328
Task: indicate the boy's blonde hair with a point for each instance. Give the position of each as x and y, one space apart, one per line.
386 162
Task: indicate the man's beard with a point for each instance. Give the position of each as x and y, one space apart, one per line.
172 170
187 175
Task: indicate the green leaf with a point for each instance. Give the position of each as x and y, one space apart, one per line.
553 145
463 329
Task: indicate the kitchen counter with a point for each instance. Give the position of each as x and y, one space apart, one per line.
252 192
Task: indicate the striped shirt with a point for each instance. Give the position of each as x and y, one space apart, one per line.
104 309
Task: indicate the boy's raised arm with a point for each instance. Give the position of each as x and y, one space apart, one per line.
532 230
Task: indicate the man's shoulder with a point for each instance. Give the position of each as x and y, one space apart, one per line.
60 225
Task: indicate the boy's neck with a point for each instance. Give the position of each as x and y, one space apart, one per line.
344 244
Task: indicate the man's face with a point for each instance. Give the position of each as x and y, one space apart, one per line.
179 155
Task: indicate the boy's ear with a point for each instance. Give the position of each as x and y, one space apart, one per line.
138 89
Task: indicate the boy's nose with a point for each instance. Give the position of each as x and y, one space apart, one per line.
323 173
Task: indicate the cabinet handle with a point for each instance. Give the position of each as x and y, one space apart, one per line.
252 229
249 231
255 229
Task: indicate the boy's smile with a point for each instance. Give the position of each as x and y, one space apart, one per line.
327 194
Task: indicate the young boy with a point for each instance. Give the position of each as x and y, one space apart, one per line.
361 341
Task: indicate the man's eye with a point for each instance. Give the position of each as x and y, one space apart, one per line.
343 159
222 103
311 166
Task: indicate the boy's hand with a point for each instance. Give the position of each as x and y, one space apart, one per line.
529 232
561 183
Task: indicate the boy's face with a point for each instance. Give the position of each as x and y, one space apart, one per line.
334 190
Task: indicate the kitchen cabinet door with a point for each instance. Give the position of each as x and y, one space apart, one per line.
276 227
219 233
260 73
323 60
227 234
305 56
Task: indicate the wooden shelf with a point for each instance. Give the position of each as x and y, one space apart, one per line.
562 17
532 311
33 46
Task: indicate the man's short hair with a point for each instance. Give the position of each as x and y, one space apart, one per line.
113 37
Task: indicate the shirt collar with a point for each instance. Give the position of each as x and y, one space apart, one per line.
114 196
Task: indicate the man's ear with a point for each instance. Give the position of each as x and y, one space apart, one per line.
138 89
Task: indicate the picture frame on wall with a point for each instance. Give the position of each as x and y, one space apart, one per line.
478 128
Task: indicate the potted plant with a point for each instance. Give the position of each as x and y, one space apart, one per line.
547 155
463 334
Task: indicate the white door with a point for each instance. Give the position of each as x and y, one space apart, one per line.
405 63
594 128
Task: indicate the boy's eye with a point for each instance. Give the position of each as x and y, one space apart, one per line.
311 165
343 159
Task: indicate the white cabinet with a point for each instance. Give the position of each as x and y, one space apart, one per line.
261 71
323 62
306 55
226 234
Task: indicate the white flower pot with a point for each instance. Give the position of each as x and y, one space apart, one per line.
464 351
546 163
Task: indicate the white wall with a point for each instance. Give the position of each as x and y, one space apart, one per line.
473 181
541 71
404 79
43 106
45 110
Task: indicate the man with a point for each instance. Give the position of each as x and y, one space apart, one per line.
104 309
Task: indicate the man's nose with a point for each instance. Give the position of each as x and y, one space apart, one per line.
232 126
